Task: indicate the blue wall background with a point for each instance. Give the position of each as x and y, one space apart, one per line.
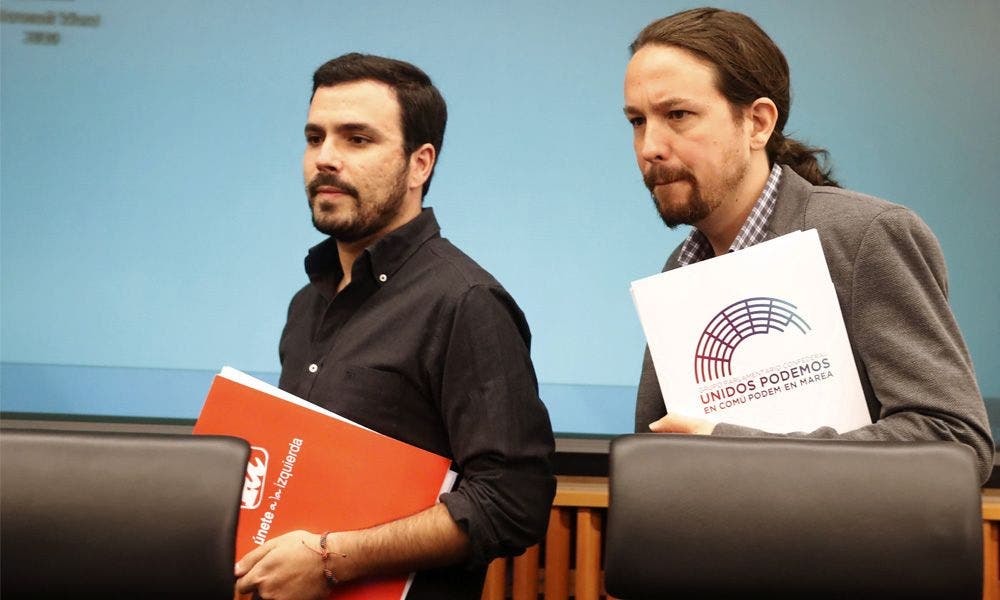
154 223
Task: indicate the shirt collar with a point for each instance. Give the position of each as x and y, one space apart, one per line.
696 246
385 256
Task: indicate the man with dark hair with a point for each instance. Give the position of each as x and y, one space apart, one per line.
401 332
707 94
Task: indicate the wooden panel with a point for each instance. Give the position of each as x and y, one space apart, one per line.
991 560
526 575
588 554
495 586
557 541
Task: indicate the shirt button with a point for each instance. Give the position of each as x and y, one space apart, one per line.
313 368
382 278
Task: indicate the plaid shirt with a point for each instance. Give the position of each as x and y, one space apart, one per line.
697 247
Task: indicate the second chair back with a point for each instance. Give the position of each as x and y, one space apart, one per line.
694 516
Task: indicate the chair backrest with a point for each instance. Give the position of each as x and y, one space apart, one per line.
694 516
118 515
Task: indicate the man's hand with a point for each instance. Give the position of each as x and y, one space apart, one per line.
287 566
675 423
290 565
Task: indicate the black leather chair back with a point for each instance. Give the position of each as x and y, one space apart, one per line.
118 515
695 517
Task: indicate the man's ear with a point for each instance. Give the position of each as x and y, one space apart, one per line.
421 165
763 117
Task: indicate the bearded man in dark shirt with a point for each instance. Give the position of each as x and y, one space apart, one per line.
400 331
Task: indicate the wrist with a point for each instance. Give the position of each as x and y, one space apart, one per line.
327 557
340 556
328 572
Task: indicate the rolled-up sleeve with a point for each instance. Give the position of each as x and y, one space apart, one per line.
499 430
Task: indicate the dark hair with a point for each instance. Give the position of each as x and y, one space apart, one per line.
422 109
748 66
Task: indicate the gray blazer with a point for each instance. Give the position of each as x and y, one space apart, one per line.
891 281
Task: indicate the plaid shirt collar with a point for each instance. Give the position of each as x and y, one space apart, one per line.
697 247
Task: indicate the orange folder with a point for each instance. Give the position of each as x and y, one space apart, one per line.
312 469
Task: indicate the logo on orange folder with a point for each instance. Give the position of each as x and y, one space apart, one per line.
253 481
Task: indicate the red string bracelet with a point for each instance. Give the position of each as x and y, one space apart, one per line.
324 553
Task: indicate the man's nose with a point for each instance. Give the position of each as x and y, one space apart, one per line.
656 143
328 157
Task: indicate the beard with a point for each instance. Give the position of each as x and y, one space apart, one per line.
694 209
365 217
698 205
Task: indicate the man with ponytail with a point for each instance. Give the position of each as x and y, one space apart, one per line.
708 94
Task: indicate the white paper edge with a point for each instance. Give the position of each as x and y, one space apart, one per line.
406 588
252 382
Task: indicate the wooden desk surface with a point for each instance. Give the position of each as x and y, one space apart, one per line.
578 490
991 504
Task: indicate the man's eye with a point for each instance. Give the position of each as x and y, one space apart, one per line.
358 140
637 121
313 140
676 115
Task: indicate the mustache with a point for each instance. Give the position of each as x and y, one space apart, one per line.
662 175
331 180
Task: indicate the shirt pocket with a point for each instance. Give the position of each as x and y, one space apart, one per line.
386 402
371 397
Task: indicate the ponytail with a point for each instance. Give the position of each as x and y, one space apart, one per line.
812 164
